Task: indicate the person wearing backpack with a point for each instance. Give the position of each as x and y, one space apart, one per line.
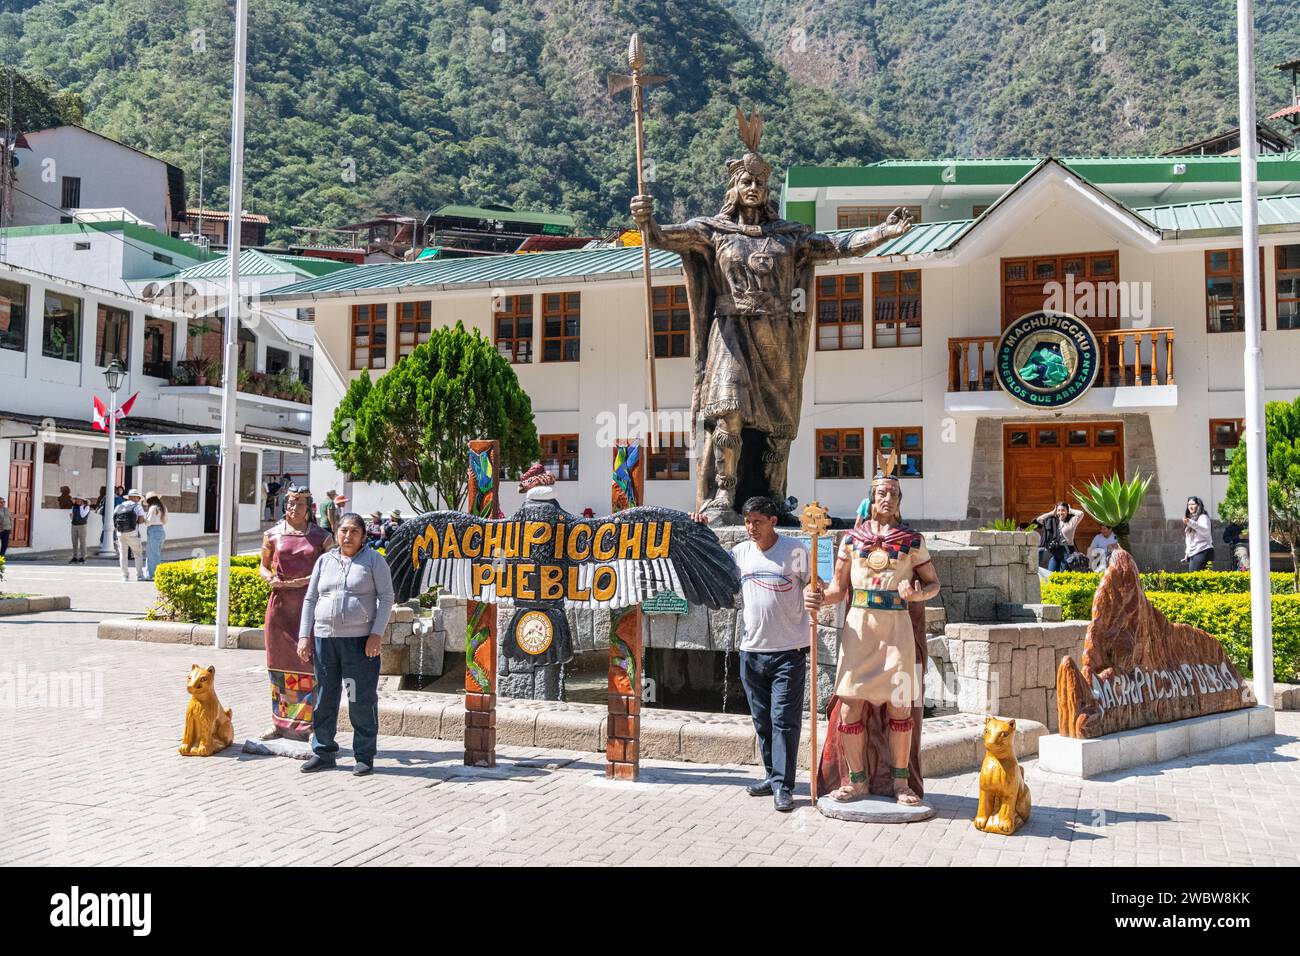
127 518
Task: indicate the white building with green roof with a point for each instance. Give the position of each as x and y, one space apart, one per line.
1144 251
73 297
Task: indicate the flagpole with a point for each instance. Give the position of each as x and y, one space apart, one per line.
230 376
110 480
1261 601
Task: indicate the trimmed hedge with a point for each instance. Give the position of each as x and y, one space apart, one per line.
189 592
1217 608
1184 582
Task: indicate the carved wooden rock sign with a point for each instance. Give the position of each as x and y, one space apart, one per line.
1140 669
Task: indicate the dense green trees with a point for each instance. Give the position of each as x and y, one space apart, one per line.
356 106
411 426
1282 436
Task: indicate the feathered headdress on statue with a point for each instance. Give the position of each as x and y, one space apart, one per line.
751 131
886 465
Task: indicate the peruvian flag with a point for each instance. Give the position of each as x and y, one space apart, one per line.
99 415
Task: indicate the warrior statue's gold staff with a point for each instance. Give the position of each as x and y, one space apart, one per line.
814 523
637 82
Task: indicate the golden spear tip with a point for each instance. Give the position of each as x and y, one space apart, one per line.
635 57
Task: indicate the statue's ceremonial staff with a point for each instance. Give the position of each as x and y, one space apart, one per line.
814 523
637 82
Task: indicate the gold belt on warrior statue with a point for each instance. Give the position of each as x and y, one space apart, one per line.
878 599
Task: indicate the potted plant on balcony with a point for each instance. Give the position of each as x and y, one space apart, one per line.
300 392
212 374
245 380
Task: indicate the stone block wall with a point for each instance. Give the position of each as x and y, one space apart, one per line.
980 570
1010 669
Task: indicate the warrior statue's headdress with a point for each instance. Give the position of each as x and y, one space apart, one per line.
885 467
751 131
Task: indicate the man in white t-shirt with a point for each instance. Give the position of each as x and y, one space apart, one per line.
774 570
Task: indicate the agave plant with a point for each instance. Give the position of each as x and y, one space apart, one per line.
1114 502
1008 524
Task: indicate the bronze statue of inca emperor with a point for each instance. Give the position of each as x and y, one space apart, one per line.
749 284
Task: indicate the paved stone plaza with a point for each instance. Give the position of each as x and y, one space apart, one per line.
97 780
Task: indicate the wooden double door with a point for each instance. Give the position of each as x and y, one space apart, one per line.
1044 462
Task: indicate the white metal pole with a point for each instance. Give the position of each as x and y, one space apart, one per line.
1261 607
230 367
110 479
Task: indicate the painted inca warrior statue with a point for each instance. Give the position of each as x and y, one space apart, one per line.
884 568
749 284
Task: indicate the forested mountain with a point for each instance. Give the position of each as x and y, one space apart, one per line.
356 106
359 106
1031 77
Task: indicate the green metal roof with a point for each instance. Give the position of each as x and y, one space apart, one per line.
1280 167
578 264
255 263
130 230
507 215
1222 214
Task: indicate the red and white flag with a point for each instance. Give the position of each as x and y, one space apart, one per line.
99 415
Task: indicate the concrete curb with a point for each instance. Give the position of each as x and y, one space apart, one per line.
952 745
32 605
173 632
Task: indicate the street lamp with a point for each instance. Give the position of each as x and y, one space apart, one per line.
113 376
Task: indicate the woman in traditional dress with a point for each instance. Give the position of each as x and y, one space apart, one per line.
289 552
878 664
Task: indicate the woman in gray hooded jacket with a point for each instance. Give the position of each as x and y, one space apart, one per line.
346 609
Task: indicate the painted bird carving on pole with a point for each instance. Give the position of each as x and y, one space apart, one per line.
545 560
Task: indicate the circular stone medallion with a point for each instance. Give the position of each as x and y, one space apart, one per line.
534 632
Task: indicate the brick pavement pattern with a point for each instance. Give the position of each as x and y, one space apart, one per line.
97 780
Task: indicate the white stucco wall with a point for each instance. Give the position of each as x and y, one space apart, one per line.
112 176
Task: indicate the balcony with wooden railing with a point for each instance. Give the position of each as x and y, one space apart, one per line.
1128 357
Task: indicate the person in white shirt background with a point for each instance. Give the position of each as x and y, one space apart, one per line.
155 517
1102 549
1197 537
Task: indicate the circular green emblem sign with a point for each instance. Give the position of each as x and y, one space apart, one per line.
1047 359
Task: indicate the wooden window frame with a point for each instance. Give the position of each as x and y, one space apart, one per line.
674 449
674 339
901 431
899 321
839 297
864 217
514 309
569 306
1239 424
410 316
1235 275
562 456
1294 295
1059 273
374 317
839 454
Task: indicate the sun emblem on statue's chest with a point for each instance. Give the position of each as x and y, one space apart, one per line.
762 260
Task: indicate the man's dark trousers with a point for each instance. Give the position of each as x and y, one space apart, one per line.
774 685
